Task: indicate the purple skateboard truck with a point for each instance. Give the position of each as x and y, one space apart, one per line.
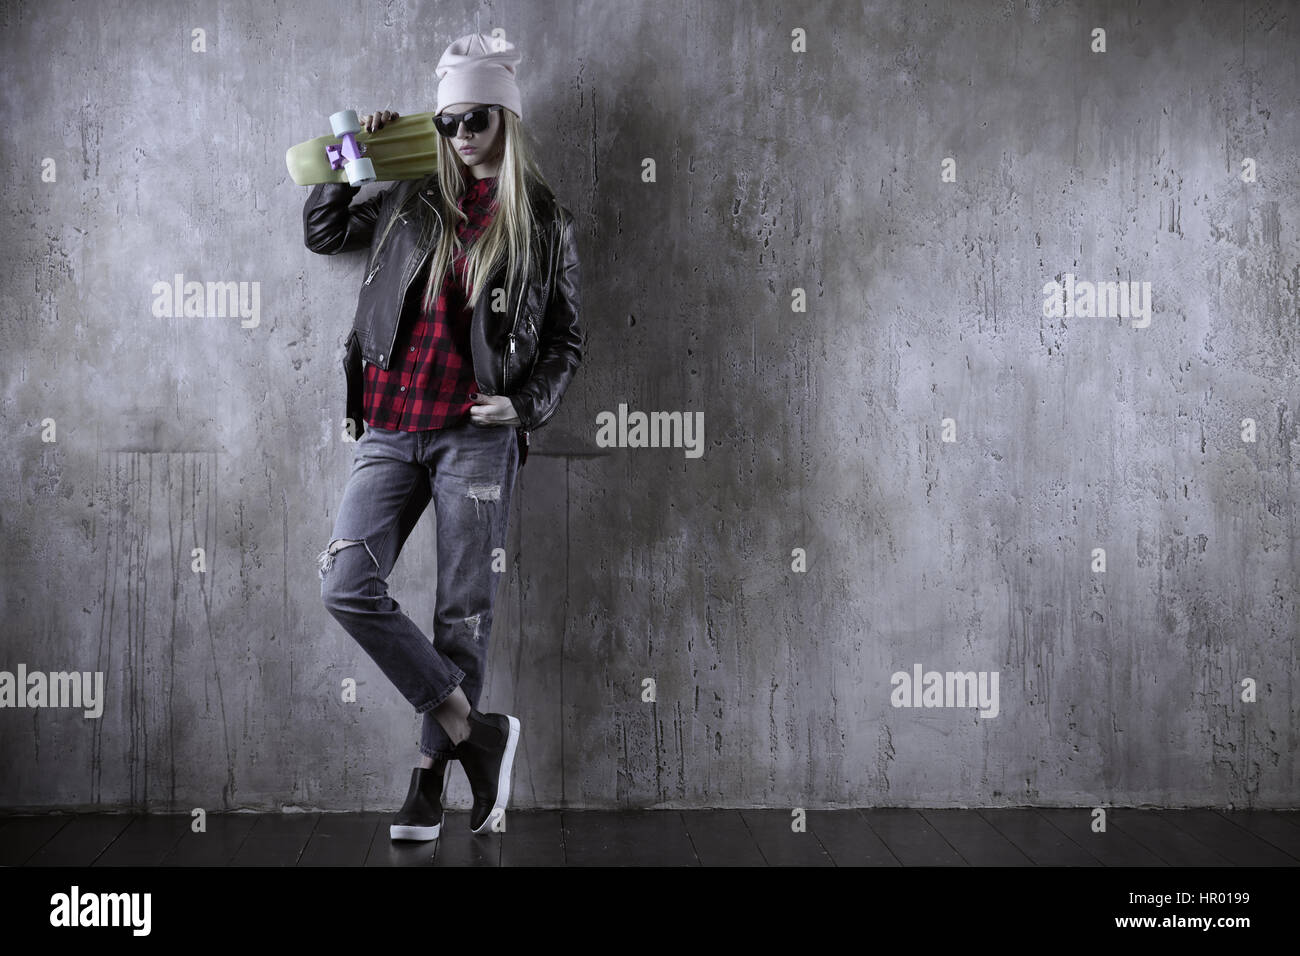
348 154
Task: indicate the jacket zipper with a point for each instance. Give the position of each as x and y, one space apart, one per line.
406 283
554 257
518 311
513 328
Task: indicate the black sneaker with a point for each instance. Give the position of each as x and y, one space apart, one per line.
421 816
488 754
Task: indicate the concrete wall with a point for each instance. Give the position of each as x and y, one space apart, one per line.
824 429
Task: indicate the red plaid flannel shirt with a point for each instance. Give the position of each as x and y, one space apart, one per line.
431 376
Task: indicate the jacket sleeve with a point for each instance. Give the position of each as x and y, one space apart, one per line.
331 225
561 338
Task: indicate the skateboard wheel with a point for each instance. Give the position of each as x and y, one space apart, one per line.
359 171
345 121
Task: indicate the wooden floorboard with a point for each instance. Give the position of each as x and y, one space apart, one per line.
1239 847
1155 830
721 838
782 846
1272 826
910 838
849 839
1114 847
865 837
458 846
976 840
342 839
217 845
533 838
23 836
277 839
82 841
146 841
626 838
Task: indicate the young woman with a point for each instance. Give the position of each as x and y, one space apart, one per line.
466 325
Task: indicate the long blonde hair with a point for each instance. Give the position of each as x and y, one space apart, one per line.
509 234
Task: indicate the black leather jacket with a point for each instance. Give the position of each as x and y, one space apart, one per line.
528 353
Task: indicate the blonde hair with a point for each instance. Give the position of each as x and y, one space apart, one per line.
508 236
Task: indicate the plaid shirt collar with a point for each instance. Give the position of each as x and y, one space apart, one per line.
480 187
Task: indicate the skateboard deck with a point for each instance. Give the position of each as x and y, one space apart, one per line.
406 148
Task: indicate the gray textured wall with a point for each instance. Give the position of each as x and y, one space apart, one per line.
776 170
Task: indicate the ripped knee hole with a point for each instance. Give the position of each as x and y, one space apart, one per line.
325 559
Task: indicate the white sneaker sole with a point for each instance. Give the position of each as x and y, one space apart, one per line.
414 833
503 779
396 832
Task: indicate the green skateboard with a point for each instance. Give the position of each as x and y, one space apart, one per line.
406 148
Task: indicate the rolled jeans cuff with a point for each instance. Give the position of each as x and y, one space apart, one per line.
459 675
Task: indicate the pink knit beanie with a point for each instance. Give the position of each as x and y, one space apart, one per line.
479 68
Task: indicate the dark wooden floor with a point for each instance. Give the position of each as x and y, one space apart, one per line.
874 837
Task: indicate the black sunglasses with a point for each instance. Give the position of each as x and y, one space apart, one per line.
475 120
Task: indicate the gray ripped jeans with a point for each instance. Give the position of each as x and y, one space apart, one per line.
468 471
